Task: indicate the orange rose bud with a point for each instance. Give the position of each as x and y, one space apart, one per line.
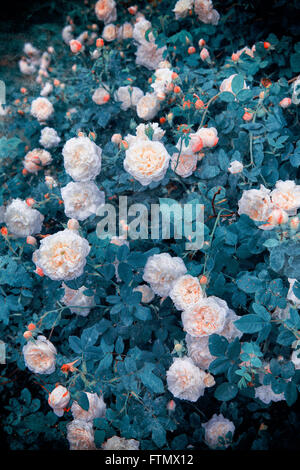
30 201
24 172
247 116
174 75
31 327
203 280
199 104
40 272
191 50
23 90
99 42
27 334
31 240
133 9
124 145
235 57
177 89
150 80
56 82
162 120
267 45
4 231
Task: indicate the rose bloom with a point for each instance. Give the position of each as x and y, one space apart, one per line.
246 50
206 317
144 131
204 9
26 67
226 84
216 430
186 165
286 196
62 256
125 31
100 96
230 331
291 296
266 394
147 107
161 271
129 96
235 167
256 203
147 161
185 380
49 138
58 399
149 55
78 302
110 32
82 158
147 293
82 199
276 217
22 220
80 435
208 135
182 8
39 356
296 91
97 408
67 34
35 159
106 11
186 292
140 29
163 80
47 89
198 351
120 443
285 102
42 109
296 359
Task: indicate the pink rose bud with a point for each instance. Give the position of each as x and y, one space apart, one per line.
204 54
75 46
285 103
31 240
171 405
73 224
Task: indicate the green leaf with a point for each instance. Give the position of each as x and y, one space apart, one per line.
217 345
151 380
83 401
226 391
250 323
290 393
249 283
237 83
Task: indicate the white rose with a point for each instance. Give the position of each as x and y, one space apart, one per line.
30 50
22 220
296 91
184 164
82 158
58 399
156 130
49 138
106 10
129 96
78 302
185 380
120 443
62 256
235 167
47 89
148 106
163 80
140 29
198 351
208 135
230 331
216 430
110 32
226 84
286 196
39 356
97 408
42 109
186 291
80 435
147 161
204 9
147 293
26 67
35 159
266 394
82 199
291 296
67 34
182 8
206 317
276 217
161 271
296 359
125 31
149 55
100 96
256 203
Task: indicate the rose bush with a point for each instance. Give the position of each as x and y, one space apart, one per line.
140 343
